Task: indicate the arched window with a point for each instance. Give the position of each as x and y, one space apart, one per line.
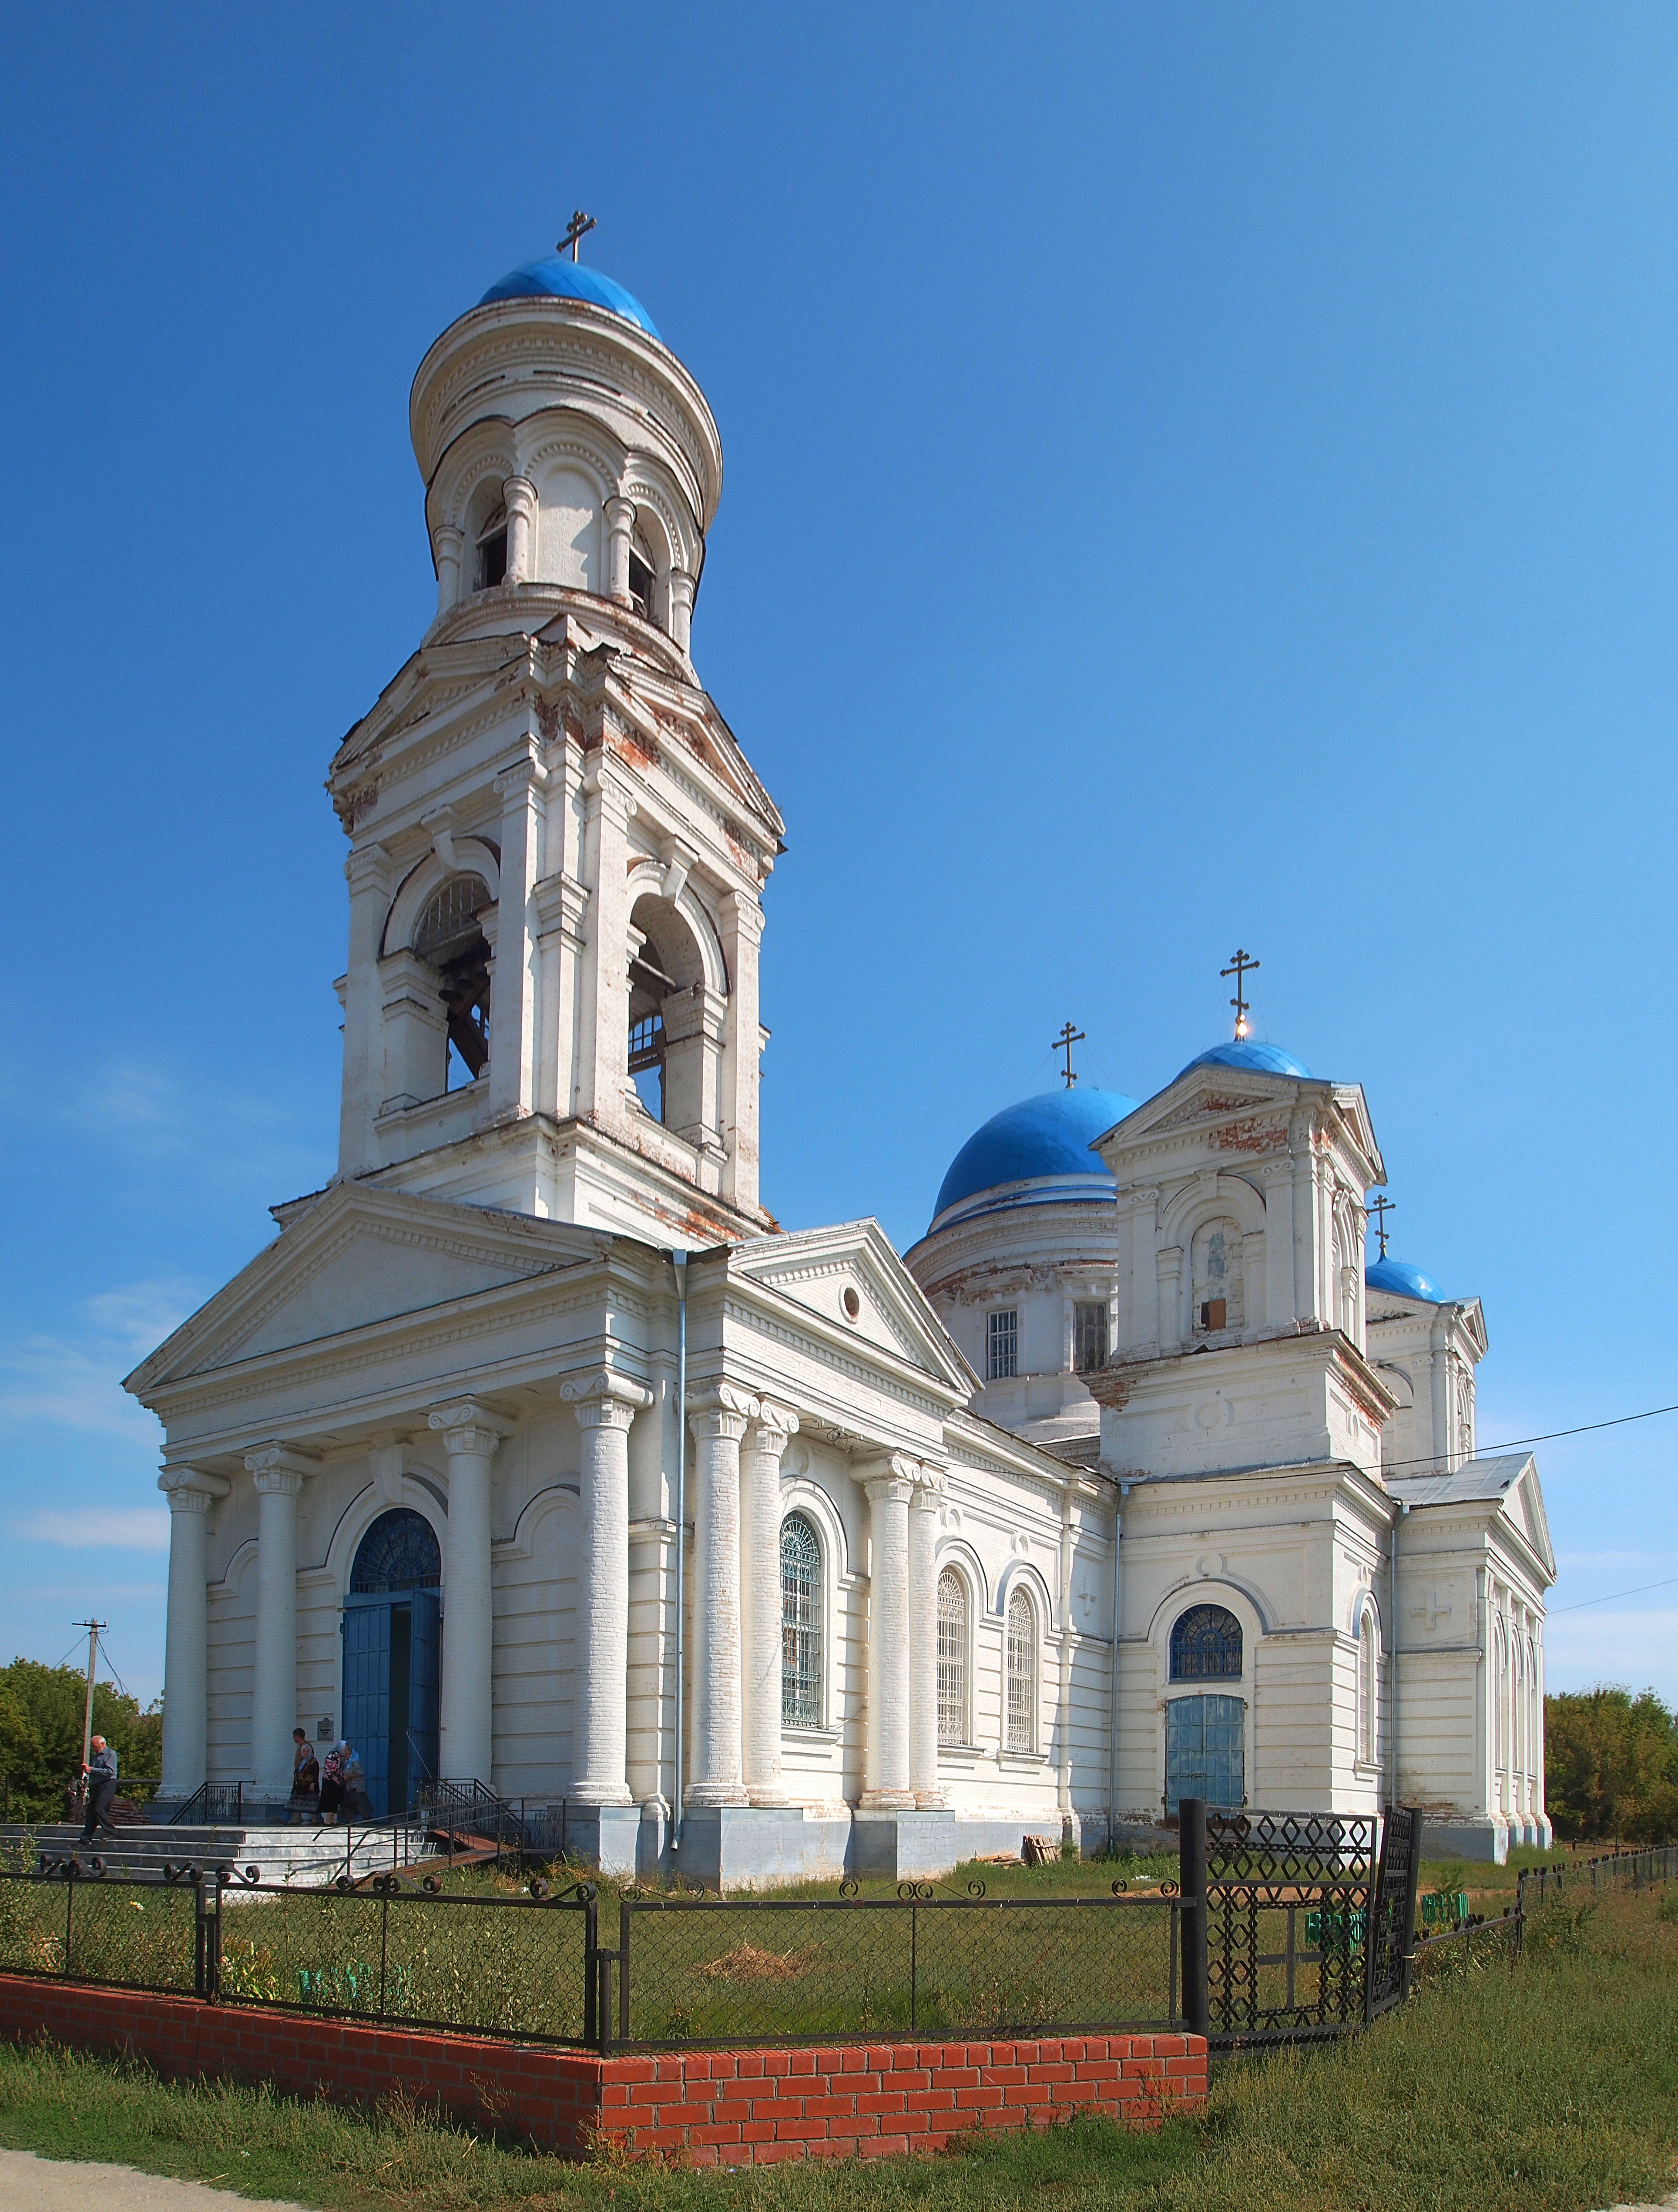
952 1658
1020 1722
399 1553
1206 1645
1369 1686
492 552
450 937
800 1623
1217 1290
672 1049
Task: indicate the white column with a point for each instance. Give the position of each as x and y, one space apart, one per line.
520 495
605 1404
604 1015
467 1751
367 872
521 787
279 1476
717 1418
760 1574
448 546
924 1641
886 1771
620 522
741 930
186 1645
681 588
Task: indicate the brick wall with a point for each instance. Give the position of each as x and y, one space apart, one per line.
702 2107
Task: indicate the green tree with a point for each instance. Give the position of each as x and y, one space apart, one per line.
40 1733
1611 1766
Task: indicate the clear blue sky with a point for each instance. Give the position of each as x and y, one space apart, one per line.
1195 476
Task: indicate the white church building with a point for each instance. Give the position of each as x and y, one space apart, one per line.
532 1452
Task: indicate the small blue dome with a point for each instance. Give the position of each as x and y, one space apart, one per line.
1403 1280
1044 1140
1247 1052
557 278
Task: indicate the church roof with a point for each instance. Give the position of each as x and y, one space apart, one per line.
1403 1280
1247 1052
1476 1478
557 278
1043 1143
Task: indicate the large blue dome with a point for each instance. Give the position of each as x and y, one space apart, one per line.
1044 1142
1247 1052
558 278
1403 1280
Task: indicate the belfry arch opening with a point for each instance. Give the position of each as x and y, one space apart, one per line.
669 1061
449 936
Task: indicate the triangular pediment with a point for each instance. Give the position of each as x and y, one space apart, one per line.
1524 1504
355 1257
851 1279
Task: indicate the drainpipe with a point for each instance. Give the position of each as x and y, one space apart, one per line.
679 1260
1403 1509
1120 1493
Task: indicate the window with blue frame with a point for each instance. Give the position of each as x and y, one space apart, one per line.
1205 1754
1206 1645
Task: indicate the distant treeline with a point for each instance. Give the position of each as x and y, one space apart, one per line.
1611 1767
40 1733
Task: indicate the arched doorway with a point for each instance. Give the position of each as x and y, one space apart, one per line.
391 1632
1205 1734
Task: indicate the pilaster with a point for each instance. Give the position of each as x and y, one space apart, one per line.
930 1486
367 873
520 787
889 1485
277 1474
471 1434
605 1404
743 932
767 1438
718 1417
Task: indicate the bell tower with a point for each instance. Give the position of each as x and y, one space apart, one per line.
557 849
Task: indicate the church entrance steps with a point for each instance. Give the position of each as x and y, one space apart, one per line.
311 1857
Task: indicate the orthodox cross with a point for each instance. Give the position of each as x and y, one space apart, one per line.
1383 1206
576 230
1065 1042
1241 968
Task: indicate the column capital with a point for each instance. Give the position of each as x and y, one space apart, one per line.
520 495
605 1399
619 510
279 1470
722 1409
888 1479
930 1483
524 773
190 1491
467 1426
773 1428
367 867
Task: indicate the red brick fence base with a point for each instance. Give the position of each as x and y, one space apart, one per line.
707 2107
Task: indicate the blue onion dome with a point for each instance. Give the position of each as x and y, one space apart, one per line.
1403 1280
558 277
1247 1052
1036 1153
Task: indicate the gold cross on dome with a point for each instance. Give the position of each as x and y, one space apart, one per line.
576 230
1065 1042
1379 1210
1241 968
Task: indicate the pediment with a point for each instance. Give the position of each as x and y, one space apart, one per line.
1210 1102
826 1271
1523 1504
356 1257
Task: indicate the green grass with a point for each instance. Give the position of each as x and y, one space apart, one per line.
1552 2087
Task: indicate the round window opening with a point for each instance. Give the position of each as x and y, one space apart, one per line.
853 1305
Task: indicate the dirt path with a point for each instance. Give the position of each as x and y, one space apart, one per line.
28 2184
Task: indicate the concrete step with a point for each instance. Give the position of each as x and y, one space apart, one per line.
307 1857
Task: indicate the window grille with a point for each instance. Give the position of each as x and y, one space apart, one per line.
1090 1330
449 921
400 1551
1019 1732
1368 1686
1003 1347
800 1623
1206 1645
952 1658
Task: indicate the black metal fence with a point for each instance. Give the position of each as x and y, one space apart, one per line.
1285 1929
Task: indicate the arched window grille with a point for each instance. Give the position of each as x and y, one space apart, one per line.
1206 1645
400 1551
1369 1686
450 937
800 1623
952 1658
1020 1731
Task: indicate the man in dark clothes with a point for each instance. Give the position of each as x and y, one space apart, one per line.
101 1772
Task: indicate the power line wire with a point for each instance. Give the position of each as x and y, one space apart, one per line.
1612 1598
1515 1443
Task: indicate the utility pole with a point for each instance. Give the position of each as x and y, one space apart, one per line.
93 1628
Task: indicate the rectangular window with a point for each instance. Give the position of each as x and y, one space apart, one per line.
1089 1337
1003 1347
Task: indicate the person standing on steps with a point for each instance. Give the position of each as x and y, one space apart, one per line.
100 1771
305 1777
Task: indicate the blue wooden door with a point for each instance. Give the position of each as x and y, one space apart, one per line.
1205 1755
367 1695
424 1679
